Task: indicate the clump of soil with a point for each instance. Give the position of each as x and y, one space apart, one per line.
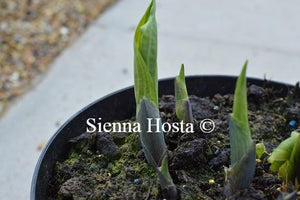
113 166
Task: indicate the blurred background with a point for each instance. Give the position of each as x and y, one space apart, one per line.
58 56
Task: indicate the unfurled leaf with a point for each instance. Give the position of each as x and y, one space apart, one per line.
145 85
243 151
183 106
145 58
286 159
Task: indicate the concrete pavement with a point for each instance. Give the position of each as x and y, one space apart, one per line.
210 37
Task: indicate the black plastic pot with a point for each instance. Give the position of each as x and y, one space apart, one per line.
121 105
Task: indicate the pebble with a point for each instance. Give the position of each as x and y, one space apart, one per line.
14 77
292 123
136 181
216 107
64 30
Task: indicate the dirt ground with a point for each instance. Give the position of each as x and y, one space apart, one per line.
113 166
32 34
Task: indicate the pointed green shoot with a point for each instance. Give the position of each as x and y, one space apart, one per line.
146 95
260 150
183 106
163 174
145 57
243 151
286 159
240 136
166 180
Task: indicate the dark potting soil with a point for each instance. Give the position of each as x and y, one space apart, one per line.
113 166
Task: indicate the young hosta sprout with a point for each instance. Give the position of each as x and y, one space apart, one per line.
242 148
286 160
146 96
260 150
183 106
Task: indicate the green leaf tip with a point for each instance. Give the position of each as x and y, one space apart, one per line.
181 75
239 131
286 159
180 86
145 57
240 107
260 150
183 106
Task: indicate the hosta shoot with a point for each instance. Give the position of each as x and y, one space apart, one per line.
286 160
241 172
183 105
260 150
146 96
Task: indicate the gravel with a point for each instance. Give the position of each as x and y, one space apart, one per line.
33 33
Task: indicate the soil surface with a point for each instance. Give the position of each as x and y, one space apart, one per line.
113 166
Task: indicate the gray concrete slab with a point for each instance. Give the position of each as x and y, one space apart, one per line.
210 37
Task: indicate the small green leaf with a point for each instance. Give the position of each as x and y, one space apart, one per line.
286 159
260 150
284 150
145 58
183 106
295 160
